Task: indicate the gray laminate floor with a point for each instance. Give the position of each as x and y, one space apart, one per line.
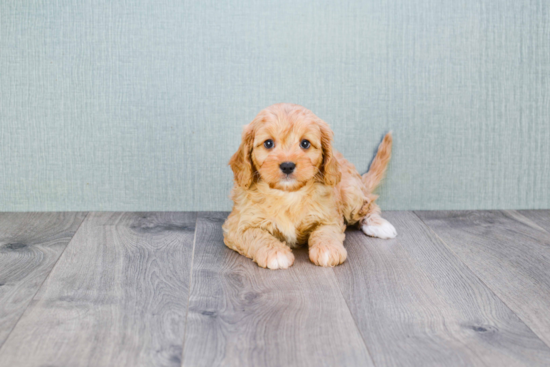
455 288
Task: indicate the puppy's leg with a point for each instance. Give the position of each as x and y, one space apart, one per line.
262 247
326 246
375 226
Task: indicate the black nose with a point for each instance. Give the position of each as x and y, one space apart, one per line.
287 167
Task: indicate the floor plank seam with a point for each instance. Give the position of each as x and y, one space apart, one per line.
481 280
44 281
353 318
189 288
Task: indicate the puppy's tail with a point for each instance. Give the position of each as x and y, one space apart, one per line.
377 169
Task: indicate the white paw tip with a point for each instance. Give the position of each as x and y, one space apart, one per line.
385 230
280 261
323 259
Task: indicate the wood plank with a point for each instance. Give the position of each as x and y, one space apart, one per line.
117 297
243 315
30 245
540 217
416 304
508 252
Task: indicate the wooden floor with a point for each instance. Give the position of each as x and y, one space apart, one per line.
455 288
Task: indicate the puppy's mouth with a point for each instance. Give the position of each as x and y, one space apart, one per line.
288 182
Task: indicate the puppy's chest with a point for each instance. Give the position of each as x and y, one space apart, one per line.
291 219
289 231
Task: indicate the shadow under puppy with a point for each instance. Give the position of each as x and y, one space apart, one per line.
292 188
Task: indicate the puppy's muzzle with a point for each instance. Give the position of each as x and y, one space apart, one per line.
287 167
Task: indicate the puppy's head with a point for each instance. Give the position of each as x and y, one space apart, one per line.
286 146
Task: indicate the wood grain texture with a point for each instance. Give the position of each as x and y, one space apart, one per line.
30 245
416 304
508 252
117 297
540 217
243 315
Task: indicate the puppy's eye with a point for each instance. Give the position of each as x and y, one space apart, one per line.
305 144
269 144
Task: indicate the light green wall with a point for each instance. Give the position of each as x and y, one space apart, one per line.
139 105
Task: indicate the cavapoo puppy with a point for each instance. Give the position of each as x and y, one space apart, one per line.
292 188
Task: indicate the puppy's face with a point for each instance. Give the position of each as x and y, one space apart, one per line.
285 146
287 154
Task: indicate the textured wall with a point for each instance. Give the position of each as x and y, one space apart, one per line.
139 105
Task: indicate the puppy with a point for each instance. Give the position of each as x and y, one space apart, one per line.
292 188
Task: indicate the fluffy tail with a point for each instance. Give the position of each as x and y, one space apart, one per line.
377 169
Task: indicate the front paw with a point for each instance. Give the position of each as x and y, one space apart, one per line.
327 254
275 258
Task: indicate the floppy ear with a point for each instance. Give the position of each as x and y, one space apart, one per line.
241 161
330 167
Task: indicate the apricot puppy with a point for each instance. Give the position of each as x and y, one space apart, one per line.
292 188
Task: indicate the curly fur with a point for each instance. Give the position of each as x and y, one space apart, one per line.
274 212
